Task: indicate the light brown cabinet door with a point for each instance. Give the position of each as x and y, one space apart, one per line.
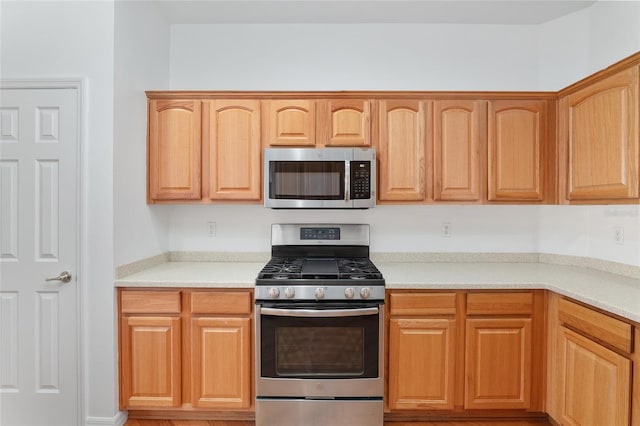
150 361
422 364
290 122
221 366
600 138
401 150
234 150
594 383
498 363
517 130
174 169
344 122
458 144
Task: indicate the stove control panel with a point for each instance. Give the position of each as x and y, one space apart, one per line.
315 292
318 233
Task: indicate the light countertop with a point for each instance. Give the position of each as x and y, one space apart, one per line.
615 293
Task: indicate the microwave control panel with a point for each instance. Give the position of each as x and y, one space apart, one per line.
360 180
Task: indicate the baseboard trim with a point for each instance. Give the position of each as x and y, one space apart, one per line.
118 420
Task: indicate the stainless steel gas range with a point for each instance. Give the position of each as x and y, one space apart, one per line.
319 329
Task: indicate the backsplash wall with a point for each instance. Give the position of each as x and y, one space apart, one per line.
570 230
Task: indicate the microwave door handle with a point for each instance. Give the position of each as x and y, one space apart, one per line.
347 179
318 313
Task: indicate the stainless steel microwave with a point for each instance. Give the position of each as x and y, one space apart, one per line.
320 178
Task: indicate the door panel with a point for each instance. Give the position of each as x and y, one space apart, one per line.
221 362
235 150
38 240
401 150
458 143
498 363
594 382
422 363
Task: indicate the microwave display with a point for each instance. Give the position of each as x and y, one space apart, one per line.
306 180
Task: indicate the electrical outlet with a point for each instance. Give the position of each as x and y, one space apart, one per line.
446 229
211 229
618 234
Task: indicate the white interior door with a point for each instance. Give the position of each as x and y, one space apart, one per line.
39 147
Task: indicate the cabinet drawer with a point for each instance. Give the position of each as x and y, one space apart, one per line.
499 303
150 301
219 302
600 326
422 303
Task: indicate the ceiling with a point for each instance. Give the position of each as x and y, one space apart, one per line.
516 12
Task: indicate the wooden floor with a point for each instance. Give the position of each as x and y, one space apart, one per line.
230 423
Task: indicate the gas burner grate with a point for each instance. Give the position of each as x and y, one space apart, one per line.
282 268
358 269
291 268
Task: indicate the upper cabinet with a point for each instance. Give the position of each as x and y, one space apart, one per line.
309 122
599 140
580 145
234 150
290 122
174 150
516 150
459 138
344 122
402 150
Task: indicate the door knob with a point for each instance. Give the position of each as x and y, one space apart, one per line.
64 276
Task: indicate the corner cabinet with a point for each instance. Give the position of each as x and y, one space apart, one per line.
185 350
174 150
591 366
600 140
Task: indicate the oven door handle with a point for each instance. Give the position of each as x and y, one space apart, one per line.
319 313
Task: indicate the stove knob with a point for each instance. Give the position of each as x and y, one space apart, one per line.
365 292
289 292
349 292
319 293
274 293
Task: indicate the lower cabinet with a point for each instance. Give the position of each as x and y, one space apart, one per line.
422 363
185 349
150 361
594 381
498 363
466 351
591 366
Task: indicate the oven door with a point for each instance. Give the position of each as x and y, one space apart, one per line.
313 350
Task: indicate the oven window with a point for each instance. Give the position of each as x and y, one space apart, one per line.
306 180
329 347
319 350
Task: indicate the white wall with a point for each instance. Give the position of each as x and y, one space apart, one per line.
141 63
393 228
589 231
44 40
353 57
577 45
